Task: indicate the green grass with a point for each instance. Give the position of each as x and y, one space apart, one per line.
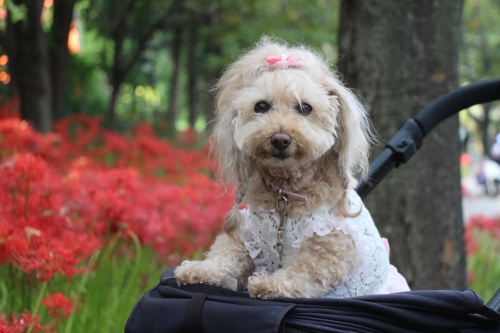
103 298
485 265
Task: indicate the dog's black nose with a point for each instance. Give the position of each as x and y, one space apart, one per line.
281 140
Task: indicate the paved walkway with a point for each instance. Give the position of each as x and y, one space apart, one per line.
481 205
477 202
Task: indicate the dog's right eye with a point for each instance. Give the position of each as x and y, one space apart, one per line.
262 107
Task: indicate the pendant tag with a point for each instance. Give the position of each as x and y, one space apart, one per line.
282 206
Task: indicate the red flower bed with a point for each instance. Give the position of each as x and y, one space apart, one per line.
483 223
21 324
66 194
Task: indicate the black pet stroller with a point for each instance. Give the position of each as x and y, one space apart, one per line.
167 308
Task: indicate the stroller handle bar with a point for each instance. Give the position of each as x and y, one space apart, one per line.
409 138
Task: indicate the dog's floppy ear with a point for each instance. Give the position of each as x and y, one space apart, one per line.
234 168
353 137
224 148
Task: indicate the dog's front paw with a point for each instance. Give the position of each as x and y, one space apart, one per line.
265 287
195 272
188 273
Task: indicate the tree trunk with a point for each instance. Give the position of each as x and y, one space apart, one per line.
483 125
401 55
111 116
116 80
192 70
211 74
124 59
63 16
173 102
31 67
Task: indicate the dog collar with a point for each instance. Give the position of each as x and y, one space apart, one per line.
292 195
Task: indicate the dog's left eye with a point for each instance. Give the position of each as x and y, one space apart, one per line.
304 109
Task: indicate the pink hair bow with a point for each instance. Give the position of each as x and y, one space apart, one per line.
283 61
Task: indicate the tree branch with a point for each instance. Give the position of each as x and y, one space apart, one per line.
161 23
121 26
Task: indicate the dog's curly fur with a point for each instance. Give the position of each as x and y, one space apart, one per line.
334 137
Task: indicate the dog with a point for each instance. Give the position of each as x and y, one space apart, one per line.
293 139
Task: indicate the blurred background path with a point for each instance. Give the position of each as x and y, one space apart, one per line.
476 201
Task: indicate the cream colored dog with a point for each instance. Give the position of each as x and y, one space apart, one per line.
292 138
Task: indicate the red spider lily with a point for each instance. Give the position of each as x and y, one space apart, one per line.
37 234
81 136
65 195
143 129
17 136
483 223
62 195
167 216
58 305
21 324
187 138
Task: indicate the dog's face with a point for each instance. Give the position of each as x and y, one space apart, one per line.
285 119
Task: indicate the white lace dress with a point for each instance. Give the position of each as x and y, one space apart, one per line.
373 273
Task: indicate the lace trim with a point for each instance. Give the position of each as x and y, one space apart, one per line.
370 275
254 244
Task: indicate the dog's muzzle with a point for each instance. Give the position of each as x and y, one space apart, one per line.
281 141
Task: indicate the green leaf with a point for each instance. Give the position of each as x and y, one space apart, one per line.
17 12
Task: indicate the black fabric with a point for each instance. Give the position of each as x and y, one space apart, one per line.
193 313
165 309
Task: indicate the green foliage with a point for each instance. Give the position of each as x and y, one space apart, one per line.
86 90
480 60
17 12
484 265
242 23
480 54
146 93
128 22
223 28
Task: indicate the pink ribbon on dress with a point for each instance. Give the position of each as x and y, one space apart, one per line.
283 61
